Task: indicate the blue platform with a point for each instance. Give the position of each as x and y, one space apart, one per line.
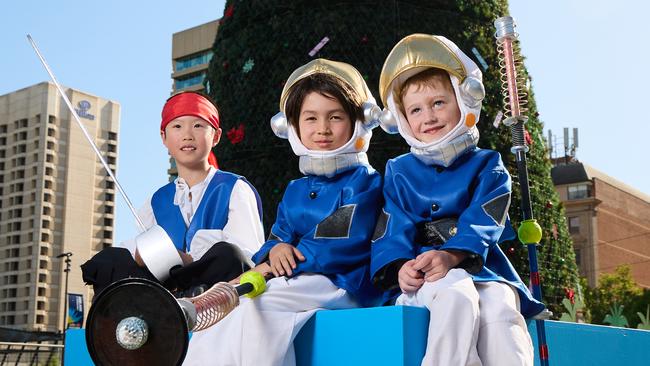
396 336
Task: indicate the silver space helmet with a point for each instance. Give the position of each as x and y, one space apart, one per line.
352 153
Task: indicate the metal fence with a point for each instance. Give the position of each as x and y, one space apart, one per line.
42 353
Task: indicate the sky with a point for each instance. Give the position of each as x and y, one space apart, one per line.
585 57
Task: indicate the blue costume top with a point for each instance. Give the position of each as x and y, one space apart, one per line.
331 221
475 190
212 212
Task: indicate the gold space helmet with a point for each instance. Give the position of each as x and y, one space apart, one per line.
414 54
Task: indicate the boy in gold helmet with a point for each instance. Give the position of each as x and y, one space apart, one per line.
446 210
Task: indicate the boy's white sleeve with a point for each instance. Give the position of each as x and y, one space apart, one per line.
244 227
148 219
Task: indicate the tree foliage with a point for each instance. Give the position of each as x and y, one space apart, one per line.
615 290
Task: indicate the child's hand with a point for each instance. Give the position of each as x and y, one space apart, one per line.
263 268
186 258
409 279
283 259
436 263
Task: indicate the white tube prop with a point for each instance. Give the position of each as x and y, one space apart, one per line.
158 252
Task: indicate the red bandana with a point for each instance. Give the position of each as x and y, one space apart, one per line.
191 104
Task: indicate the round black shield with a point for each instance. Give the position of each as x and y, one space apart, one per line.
135 297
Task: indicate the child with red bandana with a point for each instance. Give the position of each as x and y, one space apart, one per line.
212 218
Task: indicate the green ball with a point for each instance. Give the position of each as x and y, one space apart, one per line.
530 232
257 280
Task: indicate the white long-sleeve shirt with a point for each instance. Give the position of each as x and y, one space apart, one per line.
243 227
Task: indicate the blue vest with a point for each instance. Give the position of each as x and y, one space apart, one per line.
212 213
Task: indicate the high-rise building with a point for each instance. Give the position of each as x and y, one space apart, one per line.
55 198
191 55
609 221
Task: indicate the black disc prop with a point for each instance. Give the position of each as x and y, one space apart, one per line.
135 297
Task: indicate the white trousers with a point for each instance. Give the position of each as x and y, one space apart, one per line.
472 323
260 331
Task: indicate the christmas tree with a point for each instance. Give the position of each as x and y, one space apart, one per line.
260 42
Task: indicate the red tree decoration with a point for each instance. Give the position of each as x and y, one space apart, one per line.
236 135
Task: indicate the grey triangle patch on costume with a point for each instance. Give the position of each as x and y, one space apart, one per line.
336 225
497 208
273 237
381 226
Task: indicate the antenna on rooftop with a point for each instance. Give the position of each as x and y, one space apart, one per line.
569 143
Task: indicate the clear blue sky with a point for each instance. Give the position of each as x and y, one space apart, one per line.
584 57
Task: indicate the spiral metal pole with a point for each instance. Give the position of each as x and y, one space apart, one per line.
529 232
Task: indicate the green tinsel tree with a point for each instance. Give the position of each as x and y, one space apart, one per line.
260 42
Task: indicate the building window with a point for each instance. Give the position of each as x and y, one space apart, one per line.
194 60
112 136
578 257
579 191
574 224
190 80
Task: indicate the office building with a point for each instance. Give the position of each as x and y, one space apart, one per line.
609 221
55 198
